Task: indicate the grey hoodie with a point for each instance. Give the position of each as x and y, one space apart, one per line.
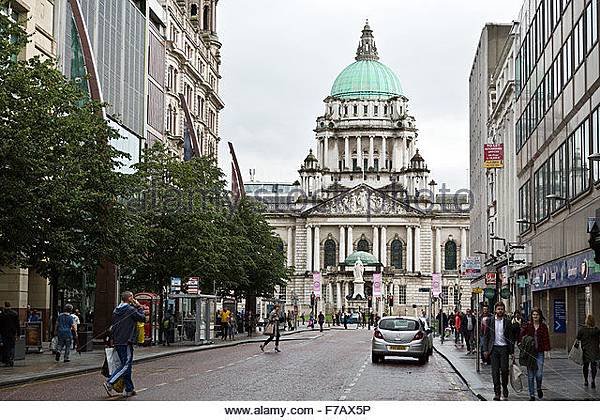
124 319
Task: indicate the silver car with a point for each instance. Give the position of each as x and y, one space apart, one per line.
402 336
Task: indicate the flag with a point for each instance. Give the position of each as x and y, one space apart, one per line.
237 183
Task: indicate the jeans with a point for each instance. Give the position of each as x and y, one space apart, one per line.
499 358
66 342
125 353
534 376
268 340
468 337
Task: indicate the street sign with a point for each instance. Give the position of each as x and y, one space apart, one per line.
477 290
493 155
560 316
490 279
192 285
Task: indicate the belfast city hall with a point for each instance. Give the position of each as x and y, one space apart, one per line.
364 197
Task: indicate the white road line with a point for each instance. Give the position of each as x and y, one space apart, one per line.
209 370
179 380
163 384
249 357
221 367
231 364
142 389
352 384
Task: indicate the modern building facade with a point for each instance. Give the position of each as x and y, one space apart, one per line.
365 194
557 129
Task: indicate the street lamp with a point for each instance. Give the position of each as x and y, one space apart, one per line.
555 197
594 157
524 222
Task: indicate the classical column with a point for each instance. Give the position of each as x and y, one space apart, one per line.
376 242
359 157
350 247
290 247
404 153
309 248
382 157
329 293
409 246
317 250
383 246
371 153
342 244
417 248
346 292
347 152
438 249
395 167
463 244
336 154
319 151
338 292
326 153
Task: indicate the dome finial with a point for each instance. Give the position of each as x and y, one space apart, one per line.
366 47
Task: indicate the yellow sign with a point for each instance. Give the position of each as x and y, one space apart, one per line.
477 290
490 164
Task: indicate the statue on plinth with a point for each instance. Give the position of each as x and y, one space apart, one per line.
359 283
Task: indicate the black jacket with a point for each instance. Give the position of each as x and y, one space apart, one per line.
124 320
9 323
490 333
464 322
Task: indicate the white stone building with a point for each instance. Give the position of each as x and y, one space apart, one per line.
367 189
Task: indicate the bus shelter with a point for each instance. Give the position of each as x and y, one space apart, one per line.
195 315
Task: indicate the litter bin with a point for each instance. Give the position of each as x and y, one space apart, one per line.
20 348
85 337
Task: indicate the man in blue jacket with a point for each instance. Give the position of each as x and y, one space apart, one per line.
123 332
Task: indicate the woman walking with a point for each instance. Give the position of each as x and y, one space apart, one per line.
273 320
589 336
537 330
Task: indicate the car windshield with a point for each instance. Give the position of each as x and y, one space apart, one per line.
399 324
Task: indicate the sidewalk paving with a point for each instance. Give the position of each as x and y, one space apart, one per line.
563 379
42 366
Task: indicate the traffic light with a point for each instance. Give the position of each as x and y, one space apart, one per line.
595 242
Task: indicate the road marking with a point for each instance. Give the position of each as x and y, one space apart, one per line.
179 380
343 398
142 389
209 370
231 364
221 367
163 384
352 384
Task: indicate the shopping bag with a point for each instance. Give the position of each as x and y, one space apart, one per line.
113 363
516 377
576 353
269 329
54 344
140 332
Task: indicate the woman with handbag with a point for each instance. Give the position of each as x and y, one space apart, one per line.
589 337
272 329
537 329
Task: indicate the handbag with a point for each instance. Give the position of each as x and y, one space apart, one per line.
576 353
516 377
269 329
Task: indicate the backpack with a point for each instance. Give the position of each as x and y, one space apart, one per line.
528 353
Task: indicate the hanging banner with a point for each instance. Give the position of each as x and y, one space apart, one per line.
493 155
377 284
471 267
317 284
436 284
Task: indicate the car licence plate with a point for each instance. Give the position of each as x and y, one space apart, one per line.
397 348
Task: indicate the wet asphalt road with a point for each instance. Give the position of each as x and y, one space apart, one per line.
334 365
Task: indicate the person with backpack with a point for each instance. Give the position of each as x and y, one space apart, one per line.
535 340
589 336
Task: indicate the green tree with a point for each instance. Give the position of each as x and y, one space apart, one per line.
58 212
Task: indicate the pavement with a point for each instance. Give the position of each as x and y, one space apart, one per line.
334 365
563 379
42 366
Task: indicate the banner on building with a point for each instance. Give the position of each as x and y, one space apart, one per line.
471 267
504 275
377 284
493 156
490 279
436 284
580 269
317 284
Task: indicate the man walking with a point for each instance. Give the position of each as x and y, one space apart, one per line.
484 323
321 321
123 331
9 330
468 327
65 330
498 345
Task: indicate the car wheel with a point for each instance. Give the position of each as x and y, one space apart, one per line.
374 358
424 359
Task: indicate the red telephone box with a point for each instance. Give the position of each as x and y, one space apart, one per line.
151 303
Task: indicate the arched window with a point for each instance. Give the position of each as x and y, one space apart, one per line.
279 244
206 19
194 10
396 253
450 255
363 245
329 248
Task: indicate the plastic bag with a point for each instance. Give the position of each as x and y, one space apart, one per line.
140 332
516 378
113 363
54 344
576 353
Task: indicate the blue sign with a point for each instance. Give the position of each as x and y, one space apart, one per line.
565 272
560 316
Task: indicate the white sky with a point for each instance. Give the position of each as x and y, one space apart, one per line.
280 58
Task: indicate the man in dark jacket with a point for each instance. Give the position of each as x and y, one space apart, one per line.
468 327
498 344
9 330
321 319
123 332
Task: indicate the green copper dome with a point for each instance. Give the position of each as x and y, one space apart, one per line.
365 258
366 79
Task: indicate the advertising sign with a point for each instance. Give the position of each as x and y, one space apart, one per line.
436 284
522 281
490 279
175 284
504 275
493 156
377 284
33 334
192 285
317 284
560 316
471 267
565 272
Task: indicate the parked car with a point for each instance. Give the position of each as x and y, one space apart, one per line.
401 336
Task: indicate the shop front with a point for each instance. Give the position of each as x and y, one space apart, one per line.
566 290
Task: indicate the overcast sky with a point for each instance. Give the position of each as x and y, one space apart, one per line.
280 58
